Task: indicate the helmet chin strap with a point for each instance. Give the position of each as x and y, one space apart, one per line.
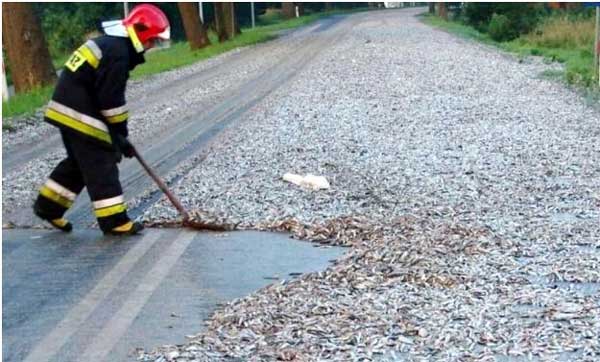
137 44
116 28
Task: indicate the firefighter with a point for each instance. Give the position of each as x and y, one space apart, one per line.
88 106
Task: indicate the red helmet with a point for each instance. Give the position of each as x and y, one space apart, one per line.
146 24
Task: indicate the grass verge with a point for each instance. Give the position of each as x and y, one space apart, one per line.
25 103
457 28
178 55
556 39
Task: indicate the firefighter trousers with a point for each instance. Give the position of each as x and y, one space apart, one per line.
90 165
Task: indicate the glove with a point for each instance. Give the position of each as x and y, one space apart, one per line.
125 146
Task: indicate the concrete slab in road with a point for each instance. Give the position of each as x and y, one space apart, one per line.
85 297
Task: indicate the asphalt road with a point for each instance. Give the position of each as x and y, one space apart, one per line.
85 297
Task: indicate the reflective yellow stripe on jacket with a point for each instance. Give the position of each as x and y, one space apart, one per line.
137 44
89 56
89 52
116 115
78 121
118 118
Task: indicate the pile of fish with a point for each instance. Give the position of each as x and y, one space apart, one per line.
465 183
412 289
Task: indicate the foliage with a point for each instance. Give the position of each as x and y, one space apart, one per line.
522 17
271 16
563 31
563 38
66 24
501 29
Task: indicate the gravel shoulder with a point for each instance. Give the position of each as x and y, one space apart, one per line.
466 184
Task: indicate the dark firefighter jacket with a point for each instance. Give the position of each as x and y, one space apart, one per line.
90 95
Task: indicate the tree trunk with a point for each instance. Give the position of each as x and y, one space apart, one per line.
328 6
288 10
431 8
194 29
226 24
442 11
26 49
572 6
220 22
232 27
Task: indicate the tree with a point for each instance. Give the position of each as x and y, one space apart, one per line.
220 22
226 24
442 11
25 45
195 31
288 10
431 8
231 24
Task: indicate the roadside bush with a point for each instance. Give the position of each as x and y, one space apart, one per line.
66 24
522 17
501 29
65 32
478 15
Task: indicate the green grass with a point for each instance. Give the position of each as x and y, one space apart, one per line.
578 64
577 56
457 28
25 103
178 55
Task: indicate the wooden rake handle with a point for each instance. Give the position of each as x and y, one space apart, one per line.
163 187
